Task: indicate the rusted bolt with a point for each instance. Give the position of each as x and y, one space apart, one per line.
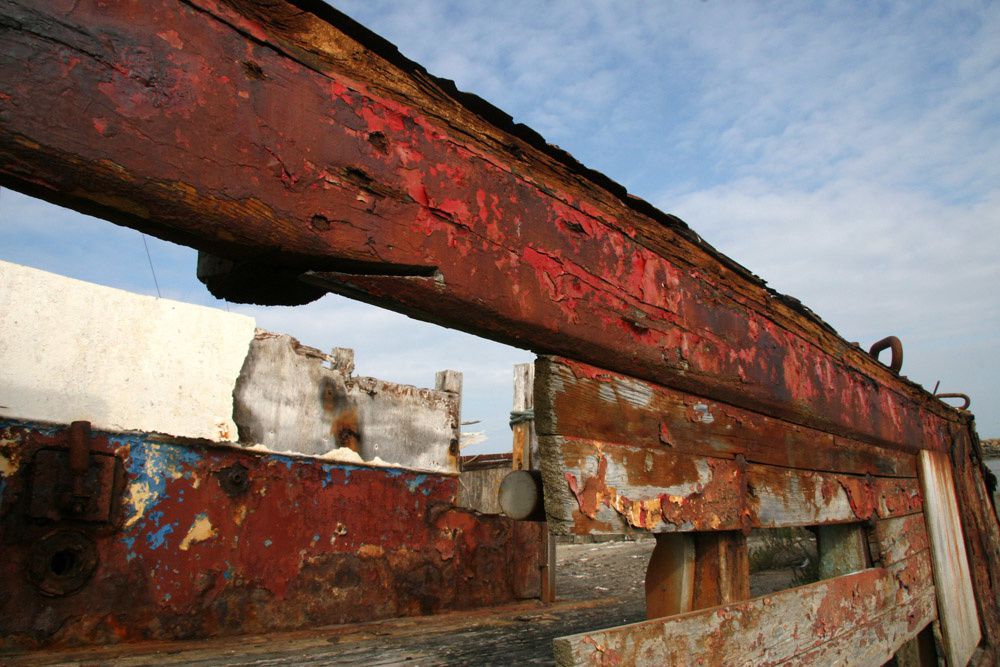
62 562
889 342
234 480
965 398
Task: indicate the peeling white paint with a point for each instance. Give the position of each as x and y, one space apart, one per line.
702 414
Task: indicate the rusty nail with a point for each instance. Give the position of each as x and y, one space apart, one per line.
889 342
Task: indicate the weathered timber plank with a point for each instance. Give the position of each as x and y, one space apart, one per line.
694 571
525 445
979 525
789 497
722 568
267 134
775 628
593 487
842 549
876 640
952 580
576 399
898 538
670 576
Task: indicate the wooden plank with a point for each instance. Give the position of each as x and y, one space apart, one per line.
695 571
876 641
522 420
576 399
842 549
956 600
793 624
527 558
898 538
594 487
980 527
670 576
387 185
722 569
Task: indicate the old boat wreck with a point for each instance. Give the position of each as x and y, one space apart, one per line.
676 394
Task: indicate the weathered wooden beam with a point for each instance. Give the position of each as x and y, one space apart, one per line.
579 400
952 577
593 487
283 135
857 619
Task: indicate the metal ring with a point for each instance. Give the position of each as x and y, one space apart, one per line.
897 351
964 397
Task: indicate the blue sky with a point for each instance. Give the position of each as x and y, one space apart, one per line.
848 153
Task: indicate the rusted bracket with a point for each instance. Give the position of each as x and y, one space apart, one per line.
893 343
75 483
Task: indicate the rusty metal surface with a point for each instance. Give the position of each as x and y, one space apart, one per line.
217 540
889 343
262 131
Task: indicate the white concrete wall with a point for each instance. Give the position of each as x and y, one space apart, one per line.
74 350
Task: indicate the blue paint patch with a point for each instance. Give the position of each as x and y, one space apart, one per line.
267 543
287 460
228 574
150 465
155 518
328 469
412 484
316 537
393 472
129 543
166 598
157 539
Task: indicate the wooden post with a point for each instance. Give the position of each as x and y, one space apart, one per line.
842 549
525 457
689 571
670 575
525 442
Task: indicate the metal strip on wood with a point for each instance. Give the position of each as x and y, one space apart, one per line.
956 600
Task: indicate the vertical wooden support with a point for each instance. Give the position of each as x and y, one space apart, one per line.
522 421
525 457
722 569
843 548
689 571
670 575
919 651
952 580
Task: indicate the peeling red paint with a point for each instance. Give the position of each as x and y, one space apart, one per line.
304 543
